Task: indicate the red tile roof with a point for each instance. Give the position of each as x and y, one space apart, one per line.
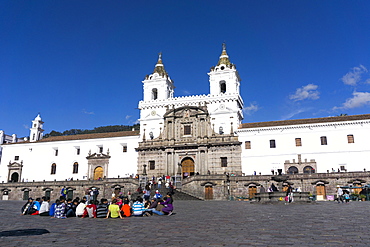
86 136
305 121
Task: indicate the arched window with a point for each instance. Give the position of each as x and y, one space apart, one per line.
75 167
53 168
308 170
292 170
223 86
154 94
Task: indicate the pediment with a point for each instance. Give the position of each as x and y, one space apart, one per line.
98 156
15 165
186 111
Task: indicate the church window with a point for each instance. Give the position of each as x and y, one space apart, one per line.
151 165
16 158
298 142
308 170
187 130
221 130
323 140
53 168
223 161
124 148
222 86
56 152
292 170
78 151
272 144
350 139
34 125
33 136
248 145
100 148
154 94
75 167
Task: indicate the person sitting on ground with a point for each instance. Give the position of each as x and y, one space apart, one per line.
37 205
60 209
52 208
80 209
71 212
168 204
90 210
102 208
28 207
113 210
138 207
44 208
153 207
119 202
68 205
126 209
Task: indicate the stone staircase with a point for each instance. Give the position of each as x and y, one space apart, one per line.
178 196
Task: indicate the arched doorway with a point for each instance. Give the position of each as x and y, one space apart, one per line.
188 167
98 173
14 177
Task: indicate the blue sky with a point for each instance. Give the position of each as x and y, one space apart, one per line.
80 63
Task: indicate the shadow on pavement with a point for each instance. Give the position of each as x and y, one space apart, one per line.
23 232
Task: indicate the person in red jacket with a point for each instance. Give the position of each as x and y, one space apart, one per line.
90 210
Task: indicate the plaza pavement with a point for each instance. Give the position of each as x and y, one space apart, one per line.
198 223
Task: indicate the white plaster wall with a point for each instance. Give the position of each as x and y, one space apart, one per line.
262 158
38 157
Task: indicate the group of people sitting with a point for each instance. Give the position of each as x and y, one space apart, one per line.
118 208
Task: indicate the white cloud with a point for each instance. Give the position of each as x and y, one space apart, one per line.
127 117
26 126
354 76
253 107
359 99
88 113
367 81
306 92
292 114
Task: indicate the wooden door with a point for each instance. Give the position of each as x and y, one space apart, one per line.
208 193
320 190
98 173
252 190
187 167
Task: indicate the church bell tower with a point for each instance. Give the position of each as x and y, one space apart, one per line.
36 129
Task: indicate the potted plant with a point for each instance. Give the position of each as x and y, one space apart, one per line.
363 197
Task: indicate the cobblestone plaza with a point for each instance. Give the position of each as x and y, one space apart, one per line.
198 223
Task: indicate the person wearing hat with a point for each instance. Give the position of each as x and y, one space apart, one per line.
339 194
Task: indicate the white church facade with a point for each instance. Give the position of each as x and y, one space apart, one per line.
193 135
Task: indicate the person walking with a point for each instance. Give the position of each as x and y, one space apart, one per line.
339 194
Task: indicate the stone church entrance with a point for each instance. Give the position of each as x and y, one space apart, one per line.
188 167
